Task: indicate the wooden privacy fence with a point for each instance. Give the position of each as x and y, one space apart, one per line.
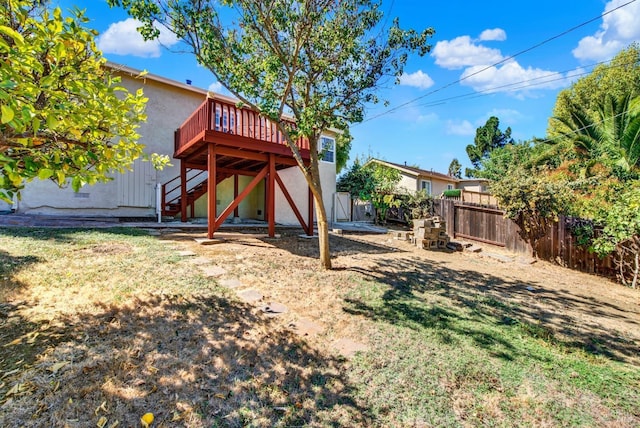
488 225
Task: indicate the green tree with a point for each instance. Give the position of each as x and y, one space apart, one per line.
610 136
455 169
488 138
621 233
619 78
321 61
500 161
373 182
63 117
533 201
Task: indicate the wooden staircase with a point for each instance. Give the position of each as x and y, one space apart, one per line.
196 187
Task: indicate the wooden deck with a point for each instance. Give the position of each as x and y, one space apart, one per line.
226 140
243 138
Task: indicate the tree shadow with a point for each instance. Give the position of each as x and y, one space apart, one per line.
196 361
298 245
423 294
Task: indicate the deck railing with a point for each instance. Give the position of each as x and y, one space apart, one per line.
222 116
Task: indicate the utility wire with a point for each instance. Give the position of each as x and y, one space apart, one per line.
499 62
519 85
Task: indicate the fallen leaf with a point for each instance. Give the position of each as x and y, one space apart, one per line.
14 342
220 396
102 422
57 366
18 388
176 417
115 424
146 420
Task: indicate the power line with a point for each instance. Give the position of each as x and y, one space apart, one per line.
521 84
499 62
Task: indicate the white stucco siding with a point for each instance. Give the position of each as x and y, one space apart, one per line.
299 191
132 193
439 186
407 183
251 207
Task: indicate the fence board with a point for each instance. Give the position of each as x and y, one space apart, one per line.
488 225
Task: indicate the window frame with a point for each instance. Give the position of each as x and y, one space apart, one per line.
321 149
429 188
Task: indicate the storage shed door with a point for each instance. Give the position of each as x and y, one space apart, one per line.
137 188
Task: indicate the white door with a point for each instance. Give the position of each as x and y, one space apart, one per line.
342 206
137 188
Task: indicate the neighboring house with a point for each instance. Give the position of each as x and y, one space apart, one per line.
256 175
413 179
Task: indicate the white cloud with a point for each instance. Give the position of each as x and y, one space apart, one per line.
618 29
122 38
216 87
418 80
463 52
460 127
497 34
507 116
427 118
511 77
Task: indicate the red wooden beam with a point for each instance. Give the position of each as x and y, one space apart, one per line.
183 192
211 192
292 204
240 197
271 195
235 193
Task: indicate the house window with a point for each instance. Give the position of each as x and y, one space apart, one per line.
426 186
327 149
449 186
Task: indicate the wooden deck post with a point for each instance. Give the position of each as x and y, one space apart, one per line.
235 194
183 191
271 195
211 191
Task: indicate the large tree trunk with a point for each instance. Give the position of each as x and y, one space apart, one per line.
323 235
321 217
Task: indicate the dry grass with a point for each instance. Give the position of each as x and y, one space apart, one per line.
116 323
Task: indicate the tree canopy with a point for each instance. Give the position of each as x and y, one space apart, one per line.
321 61
63 116
455 168
488 138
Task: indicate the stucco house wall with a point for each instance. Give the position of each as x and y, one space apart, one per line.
132 193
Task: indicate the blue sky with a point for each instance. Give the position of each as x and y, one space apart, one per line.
442 113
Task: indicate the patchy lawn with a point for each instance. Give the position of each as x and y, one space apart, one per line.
102 326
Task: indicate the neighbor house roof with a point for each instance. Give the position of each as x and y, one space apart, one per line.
418 172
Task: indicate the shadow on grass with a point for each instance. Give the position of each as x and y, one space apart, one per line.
426 295
292 242
197 361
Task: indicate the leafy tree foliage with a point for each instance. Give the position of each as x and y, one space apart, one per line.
321 61
488 138
455 169
373 182
500 161
63 117
618 79
533 201
610 137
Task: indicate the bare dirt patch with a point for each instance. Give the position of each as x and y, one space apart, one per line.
202 356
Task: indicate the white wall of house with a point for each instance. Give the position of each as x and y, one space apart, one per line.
299 191
132 193
407 183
